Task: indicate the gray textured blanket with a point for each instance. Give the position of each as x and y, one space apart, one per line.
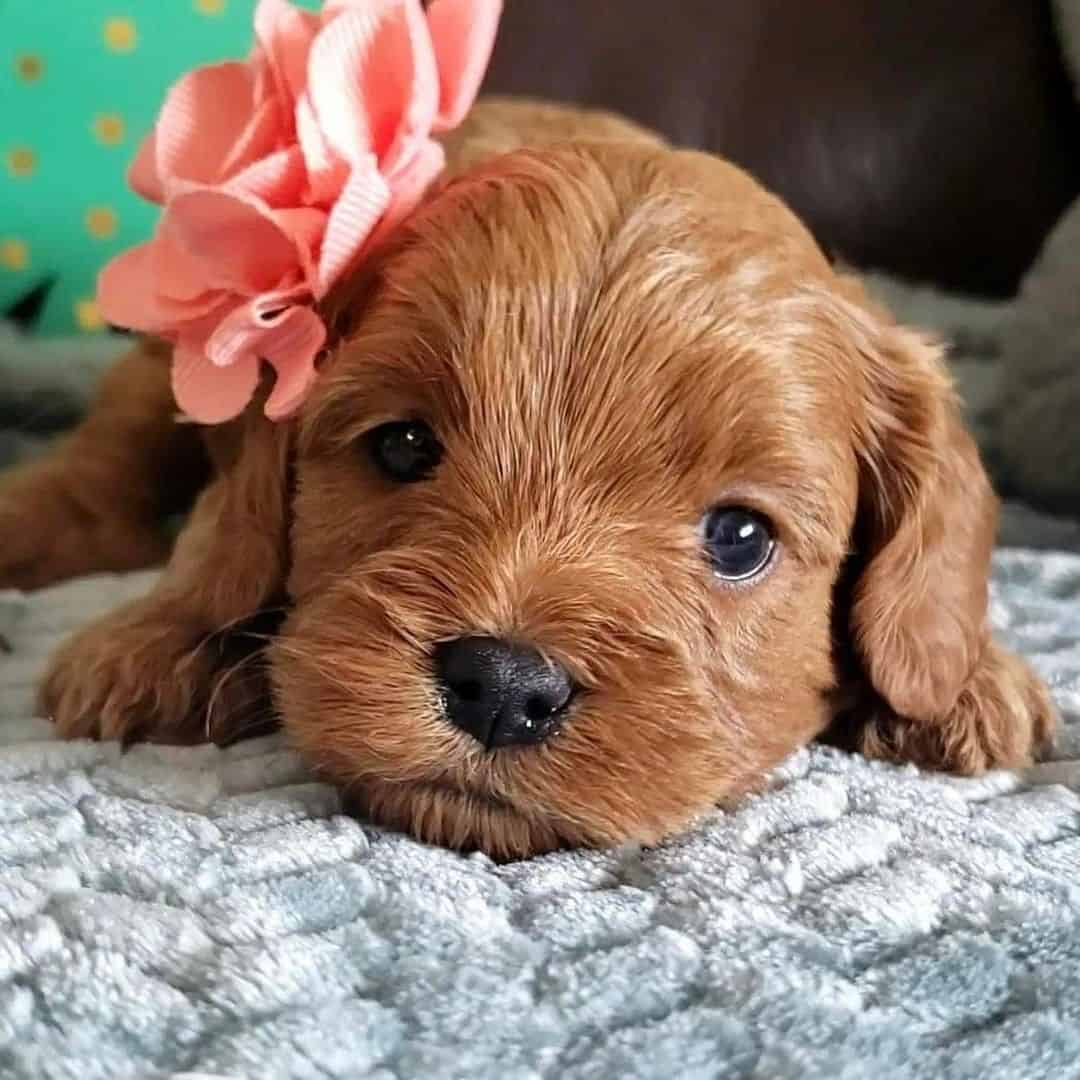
169 912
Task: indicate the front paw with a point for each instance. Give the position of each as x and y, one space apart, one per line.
143 673
1003 719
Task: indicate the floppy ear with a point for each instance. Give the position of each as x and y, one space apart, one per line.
923 542
926 527
232 558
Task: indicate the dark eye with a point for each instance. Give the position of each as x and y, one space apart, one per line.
406 451
739 542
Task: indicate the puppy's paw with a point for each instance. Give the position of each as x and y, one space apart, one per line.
141 674
1003 719
135 674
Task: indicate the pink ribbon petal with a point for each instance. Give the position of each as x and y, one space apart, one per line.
407 190
203 117
355 214
127 291
463 33
362 76
130 294
335 94
236 240
278 174
284 34
291 348
331 9
233 336
326 171
209 394
259 137
307 228
286 335
402 86
278 179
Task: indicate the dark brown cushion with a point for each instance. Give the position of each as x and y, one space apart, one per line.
934 138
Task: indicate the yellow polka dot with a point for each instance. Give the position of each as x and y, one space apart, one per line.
101 222
109 128
14 254
210 7
120 35
29 67
88 315
21 161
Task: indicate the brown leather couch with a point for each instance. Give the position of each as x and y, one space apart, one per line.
937 139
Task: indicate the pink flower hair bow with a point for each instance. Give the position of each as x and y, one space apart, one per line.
276 173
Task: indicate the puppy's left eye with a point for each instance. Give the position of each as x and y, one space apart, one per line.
406 450
740 543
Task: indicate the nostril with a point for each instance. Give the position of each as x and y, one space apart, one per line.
468 689
538 708
546 703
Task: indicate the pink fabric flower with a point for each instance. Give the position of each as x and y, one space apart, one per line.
275 173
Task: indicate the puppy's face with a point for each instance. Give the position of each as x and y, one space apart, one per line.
572 499
570 505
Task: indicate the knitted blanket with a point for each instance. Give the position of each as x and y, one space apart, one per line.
169 912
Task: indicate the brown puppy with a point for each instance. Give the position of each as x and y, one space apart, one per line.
610 495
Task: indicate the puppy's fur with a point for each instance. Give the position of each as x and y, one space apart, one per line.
609 337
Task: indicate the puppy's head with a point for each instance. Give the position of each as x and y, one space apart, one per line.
574 495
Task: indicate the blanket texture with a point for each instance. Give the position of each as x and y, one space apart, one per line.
169 912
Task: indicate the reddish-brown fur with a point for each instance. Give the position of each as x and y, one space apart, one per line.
609 337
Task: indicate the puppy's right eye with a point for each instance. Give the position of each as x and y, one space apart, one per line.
406 451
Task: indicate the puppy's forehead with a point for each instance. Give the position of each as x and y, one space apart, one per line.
638 235
619 300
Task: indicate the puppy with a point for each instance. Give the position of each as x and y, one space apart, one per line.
611 493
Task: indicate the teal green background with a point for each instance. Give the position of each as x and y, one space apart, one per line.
54 117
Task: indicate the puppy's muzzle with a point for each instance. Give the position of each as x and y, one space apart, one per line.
500 693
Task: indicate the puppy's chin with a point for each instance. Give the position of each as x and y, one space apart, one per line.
443 813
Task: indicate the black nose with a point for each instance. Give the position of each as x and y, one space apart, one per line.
501 694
